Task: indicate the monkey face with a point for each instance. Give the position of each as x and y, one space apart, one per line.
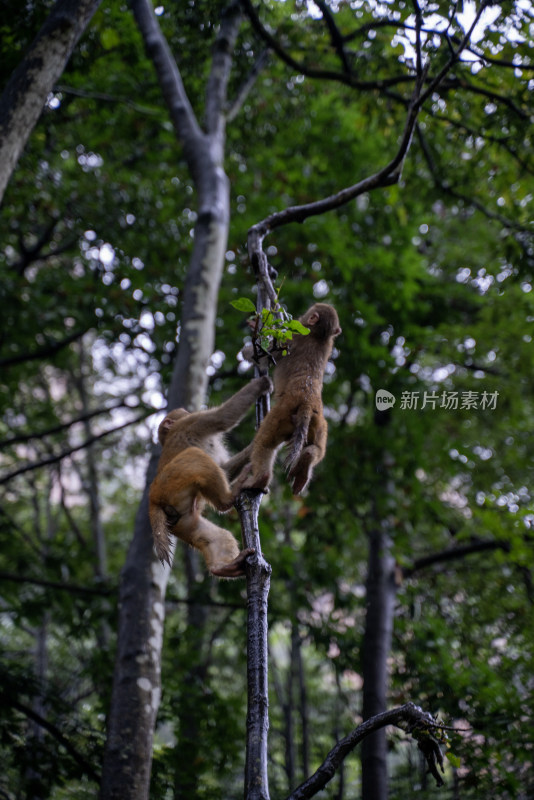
322 320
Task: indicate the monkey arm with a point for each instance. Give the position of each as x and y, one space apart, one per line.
218 546
234 465
275 429
230 413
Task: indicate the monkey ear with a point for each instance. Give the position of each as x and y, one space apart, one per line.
313 319
164 428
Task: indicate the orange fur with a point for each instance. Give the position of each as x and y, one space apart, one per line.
194 470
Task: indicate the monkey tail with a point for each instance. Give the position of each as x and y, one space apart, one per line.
299 437
161 535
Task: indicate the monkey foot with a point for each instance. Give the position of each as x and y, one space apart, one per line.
235 568
256 488
301 473
261 483
246 481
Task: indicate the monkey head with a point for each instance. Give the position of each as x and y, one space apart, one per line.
169 421
322 320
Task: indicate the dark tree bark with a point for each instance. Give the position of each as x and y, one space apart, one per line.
23 99
258 584
421 725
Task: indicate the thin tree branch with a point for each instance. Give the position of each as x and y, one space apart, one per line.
31 254
454 553
72 588
418 25
499 141
27 437
258 583
386 176
46 351
330 75
247 86
108 98
497 62
468 200
461 83
45 462
54 731
335 35
408 717
455 56
106 591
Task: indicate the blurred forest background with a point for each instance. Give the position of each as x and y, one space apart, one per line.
427 506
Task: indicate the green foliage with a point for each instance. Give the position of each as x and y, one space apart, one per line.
271 327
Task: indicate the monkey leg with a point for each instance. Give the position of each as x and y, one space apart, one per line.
177 496
219 548
234 465
300 474
190 473
235 568
275 429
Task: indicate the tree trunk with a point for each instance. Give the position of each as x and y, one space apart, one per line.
381 591
136 686
23 99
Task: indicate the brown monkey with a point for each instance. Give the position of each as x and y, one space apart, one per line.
297 415
193 470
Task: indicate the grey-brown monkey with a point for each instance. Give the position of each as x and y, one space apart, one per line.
297 414
194 469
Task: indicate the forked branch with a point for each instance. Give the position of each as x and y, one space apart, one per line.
387 176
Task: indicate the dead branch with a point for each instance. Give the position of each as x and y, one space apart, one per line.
408 717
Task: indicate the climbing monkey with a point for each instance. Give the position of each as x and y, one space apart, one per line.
297 414
194 469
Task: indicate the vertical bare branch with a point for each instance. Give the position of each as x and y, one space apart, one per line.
245 89
258 584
